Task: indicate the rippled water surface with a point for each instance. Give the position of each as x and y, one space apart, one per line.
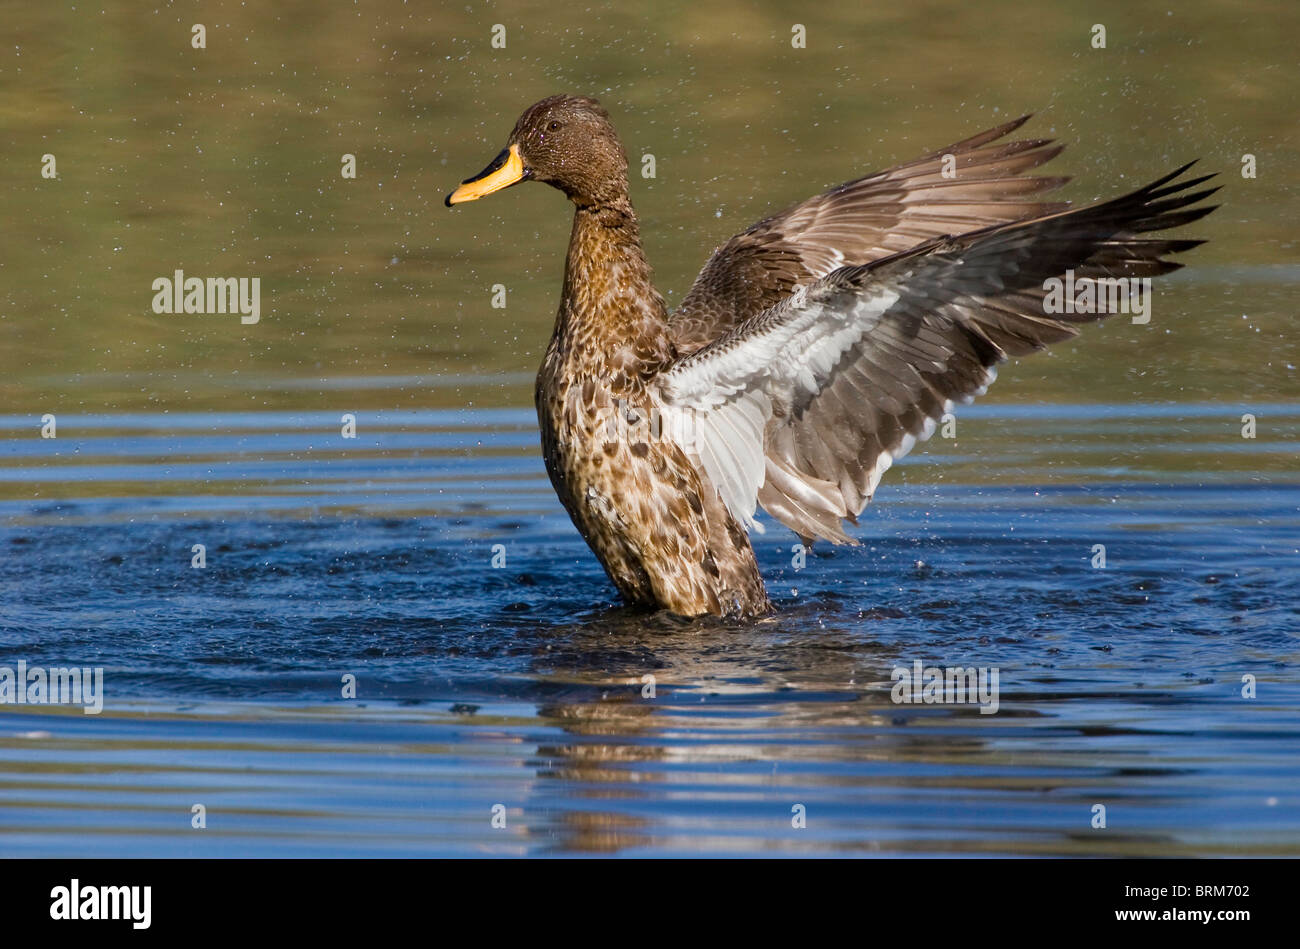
522 685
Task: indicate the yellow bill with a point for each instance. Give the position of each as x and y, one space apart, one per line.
506 169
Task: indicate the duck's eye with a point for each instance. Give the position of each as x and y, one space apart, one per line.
553 126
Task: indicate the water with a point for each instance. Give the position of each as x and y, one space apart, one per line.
521 686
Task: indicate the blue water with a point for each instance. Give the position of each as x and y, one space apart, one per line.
521 685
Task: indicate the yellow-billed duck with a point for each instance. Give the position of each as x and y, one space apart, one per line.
812 351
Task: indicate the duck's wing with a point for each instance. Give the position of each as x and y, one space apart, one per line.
803 407
864 220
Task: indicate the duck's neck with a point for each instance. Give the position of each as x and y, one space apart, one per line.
611 318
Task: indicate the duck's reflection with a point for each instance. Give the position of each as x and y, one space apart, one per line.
700 727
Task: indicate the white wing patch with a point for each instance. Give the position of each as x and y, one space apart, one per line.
727 443
716 403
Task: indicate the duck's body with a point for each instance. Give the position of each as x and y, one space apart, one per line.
665 539
814 348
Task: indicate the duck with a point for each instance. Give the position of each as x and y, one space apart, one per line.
813 350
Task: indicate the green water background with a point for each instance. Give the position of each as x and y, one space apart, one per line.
226 162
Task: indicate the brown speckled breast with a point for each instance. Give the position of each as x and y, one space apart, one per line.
662 533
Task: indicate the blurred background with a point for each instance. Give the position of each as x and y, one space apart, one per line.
226 161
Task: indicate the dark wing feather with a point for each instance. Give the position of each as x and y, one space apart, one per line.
865 220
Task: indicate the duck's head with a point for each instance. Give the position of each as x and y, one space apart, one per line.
565 141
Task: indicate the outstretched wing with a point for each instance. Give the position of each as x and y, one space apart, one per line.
865 220
803 407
